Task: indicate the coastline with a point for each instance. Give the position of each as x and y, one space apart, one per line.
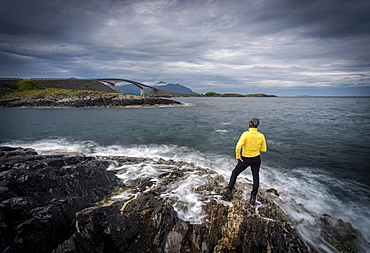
104 106
85 100
147 214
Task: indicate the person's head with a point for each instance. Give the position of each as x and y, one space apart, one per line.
254 122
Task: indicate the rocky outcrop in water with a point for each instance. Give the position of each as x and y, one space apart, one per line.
58 203
86 99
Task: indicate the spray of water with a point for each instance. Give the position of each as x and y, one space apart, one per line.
304 196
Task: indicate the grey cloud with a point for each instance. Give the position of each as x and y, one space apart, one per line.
236 43
332 18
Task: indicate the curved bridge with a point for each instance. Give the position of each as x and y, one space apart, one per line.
114 81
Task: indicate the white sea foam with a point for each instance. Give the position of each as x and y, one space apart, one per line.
305 195
188 204
278 143
221 130
187 104
54 145
141 170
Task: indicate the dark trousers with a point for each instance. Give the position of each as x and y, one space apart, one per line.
255 163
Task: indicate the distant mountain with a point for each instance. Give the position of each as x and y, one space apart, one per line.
175 87
172 87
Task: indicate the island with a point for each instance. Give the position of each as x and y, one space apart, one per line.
44 92
70 93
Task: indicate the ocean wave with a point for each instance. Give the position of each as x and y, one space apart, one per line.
305 193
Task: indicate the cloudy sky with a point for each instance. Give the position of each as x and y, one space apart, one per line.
282 47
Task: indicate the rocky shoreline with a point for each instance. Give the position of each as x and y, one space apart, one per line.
84 99
61 203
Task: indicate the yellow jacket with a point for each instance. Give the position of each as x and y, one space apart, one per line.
251 142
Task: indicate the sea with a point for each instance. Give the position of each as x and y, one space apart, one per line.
318 148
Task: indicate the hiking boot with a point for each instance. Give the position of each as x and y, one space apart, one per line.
253 199
227 194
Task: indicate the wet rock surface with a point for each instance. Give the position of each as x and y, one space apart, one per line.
87 99
51 204
40 195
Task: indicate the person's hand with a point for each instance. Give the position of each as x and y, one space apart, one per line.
240 159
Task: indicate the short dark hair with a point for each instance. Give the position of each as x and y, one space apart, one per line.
254 122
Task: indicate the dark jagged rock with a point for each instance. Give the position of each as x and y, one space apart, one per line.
141 227
6 152
154 226
341 234
39 196
48 204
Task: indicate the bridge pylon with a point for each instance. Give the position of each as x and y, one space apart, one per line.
114 81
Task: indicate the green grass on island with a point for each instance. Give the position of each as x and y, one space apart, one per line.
24 85
48 92
29 88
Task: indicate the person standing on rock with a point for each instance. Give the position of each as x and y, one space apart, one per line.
247 150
